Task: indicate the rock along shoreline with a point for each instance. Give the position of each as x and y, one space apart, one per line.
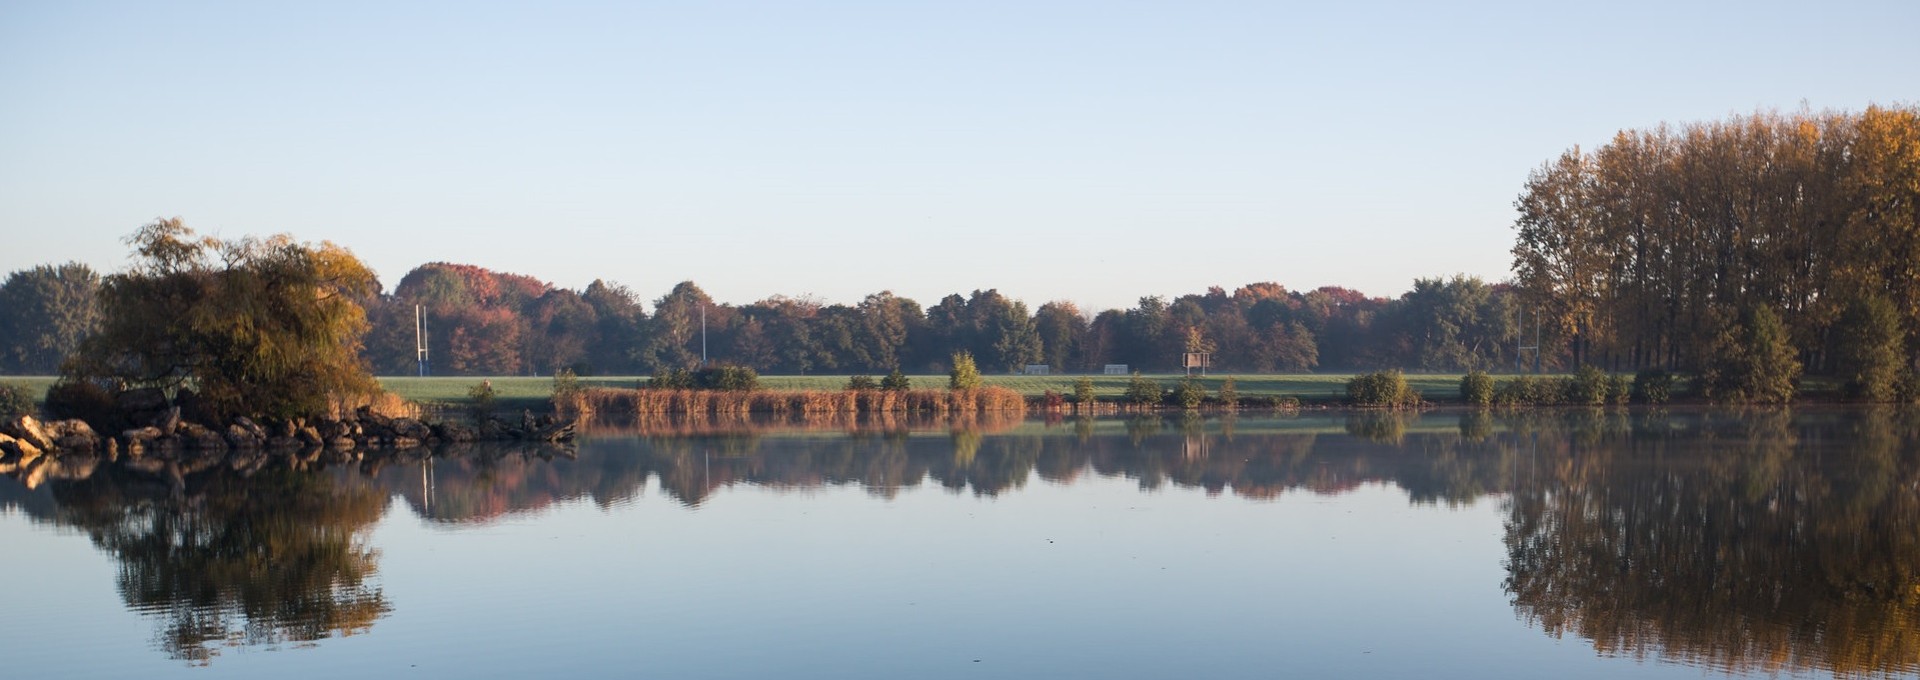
25 437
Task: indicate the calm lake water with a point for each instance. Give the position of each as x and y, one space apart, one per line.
1597 544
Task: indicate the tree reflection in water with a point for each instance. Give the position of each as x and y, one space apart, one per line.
1742 540
267 554
1746 542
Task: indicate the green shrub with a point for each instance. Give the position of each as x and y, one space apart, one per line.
1753 362
1143 391
15 401
862 383
1083 390
481 398
1589 387
85 400
566 384
1652 386
726 378
1906 390
965 375
1531 391
1867 350
1188 394
1382 388
1476 388
671 379
896 381
1619 388
1229 394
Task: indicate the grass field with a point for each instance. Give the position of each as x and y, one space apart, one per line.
522 392
528 392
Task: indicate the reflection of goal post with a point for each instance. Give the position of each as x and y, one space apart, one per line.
1199 360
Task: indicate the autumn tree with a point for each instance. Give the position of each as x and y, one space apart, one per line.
257 326
1637 253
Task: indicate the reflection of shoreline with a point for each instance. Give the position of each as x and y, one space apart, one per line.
741 423
1765 543
1758 540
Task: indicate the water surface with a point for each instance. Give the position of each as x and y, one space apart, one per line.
1552 543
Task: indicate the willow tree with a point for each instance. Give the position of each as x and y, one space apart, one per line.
255 326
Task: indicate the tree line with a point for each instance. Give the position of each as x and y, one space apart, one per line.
483 322
1770 242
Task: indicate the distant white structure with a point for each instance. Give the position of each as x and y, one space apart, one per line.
1115 369
1036 369
1197 360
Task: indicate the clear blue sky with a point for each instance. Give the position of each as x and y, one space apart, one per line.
1090 151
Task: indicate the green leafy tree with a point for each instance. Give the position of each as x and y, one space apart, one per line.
1189 394
896 381
1652 386
1382 388
965 375
1753 361
726 377
1229 393
1867 353
1083 390
1143 391
1476 388
670 379
264 327
481 399
1590 386
47 311
1062 330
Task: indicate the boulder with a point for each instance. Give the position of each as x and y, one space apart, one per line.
253 429
492 429
368 418
409 428
199 438
28 429
331 429
77 443
71 428
455 432
241 438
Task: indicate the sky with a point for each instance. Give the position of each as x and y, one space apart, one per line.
1094 152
